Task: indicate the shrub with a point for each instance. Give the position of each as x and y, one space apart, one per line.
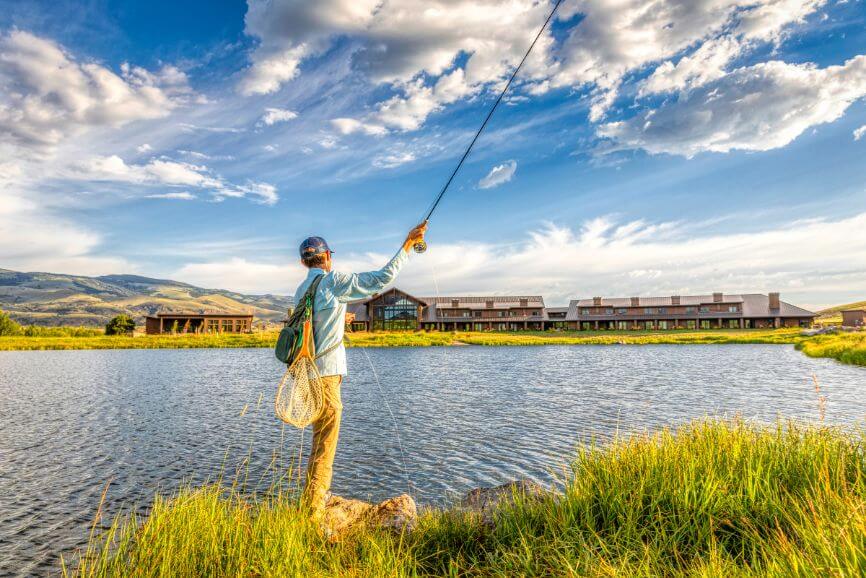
8 326
120 325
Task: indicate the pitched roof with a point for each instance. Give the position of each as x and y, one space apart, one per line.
480 302
754 305
758 305
659 301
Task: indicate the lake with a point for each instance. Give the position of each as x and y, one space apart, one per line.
147 420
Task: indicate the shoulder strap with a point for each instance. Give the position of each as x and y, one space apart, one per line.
310 296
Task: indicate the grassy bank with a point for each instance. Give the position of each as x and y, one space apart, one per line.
712 499
20 343
844 347
399 339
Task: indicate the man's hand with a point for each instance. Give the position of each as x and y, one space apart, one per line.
414 236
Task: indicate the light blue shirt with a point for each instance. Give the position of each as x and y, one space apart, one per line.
329 307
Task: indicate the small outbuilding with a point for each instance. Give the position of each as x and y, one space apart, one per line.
198 323
854 318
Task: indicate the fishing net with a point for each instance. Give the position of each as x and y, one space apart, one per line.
300 395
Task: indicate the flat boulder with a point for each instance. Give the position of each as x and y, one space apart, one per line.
486 501
345 514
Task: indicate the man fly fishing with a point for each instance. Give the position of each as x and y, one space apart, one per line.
335 289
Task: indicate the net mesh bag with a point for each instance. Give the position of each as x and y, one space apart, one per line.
300 395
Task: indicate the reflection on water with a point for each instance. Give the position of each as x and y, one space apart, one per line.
468 416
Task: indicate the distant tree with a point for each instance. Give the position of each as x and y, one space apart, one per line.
120 325
8 326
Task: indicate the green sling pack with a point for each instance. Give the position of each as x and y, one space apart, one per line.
292 335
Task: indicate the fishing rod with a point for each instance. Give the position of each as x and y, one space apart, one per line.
421 246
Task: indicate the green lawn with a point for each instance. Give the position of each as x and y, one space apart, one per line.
713 499
844 347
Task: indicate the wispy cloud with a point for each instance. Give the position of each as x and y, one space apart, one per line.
179 196
273 116
498 175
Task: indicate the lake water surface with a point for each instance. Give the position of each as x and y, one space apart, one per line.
467 416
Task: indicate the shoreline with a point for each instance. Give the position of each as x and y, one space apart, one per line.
849 348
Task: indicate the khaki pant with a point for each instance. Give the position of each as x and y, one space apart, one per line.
326 430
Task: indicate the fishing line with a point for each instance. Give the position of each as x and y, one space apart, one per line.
384 397
421 246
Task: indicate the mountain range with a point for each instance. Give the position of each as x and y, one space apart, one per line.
57 299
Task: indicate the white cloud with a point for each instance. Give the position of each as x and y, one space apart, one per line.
393 160
274 115
144 148
46 95
415 50
242 275
606 257
180 196
171 173
859 132
756 108
351 125
498 175
34 239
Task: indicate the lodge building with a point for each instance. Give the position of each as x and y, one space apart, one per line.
397 310
198 323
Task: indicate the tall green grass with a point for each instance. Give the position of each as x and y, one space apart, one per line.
72 338
844 347
710 499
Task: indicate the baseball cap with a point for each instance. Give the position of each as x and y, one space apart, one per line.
314 246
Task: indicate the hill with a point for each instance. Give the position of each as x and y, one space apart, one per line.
833 315
839 308
56 299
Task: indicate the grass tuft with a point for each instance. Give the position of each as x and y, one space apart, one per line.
709 499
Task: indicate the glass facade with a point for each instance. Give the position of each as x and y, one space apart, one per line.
395 312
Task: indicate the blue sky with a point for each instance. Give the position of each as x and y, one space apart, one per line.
670 147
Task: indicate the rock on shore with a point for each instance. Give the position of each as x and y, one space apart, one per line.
401 514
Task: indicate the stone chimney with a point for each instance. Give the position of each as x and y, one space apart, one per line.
635 301
775 303
717 298
596 301
675 299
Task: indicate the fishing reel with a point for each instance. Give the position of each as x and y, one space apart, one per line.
420 246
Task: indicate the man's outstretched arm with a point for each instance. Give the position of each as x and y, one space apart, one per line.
351 286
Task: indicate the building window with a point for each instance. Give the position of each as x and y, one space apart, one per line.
622 325
477 313
648 311
705 323
663 324
621 311
608 311
691 310
584 311
228 326
648 325
733 308
396 313
705 309
733 323
690 324
662 310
